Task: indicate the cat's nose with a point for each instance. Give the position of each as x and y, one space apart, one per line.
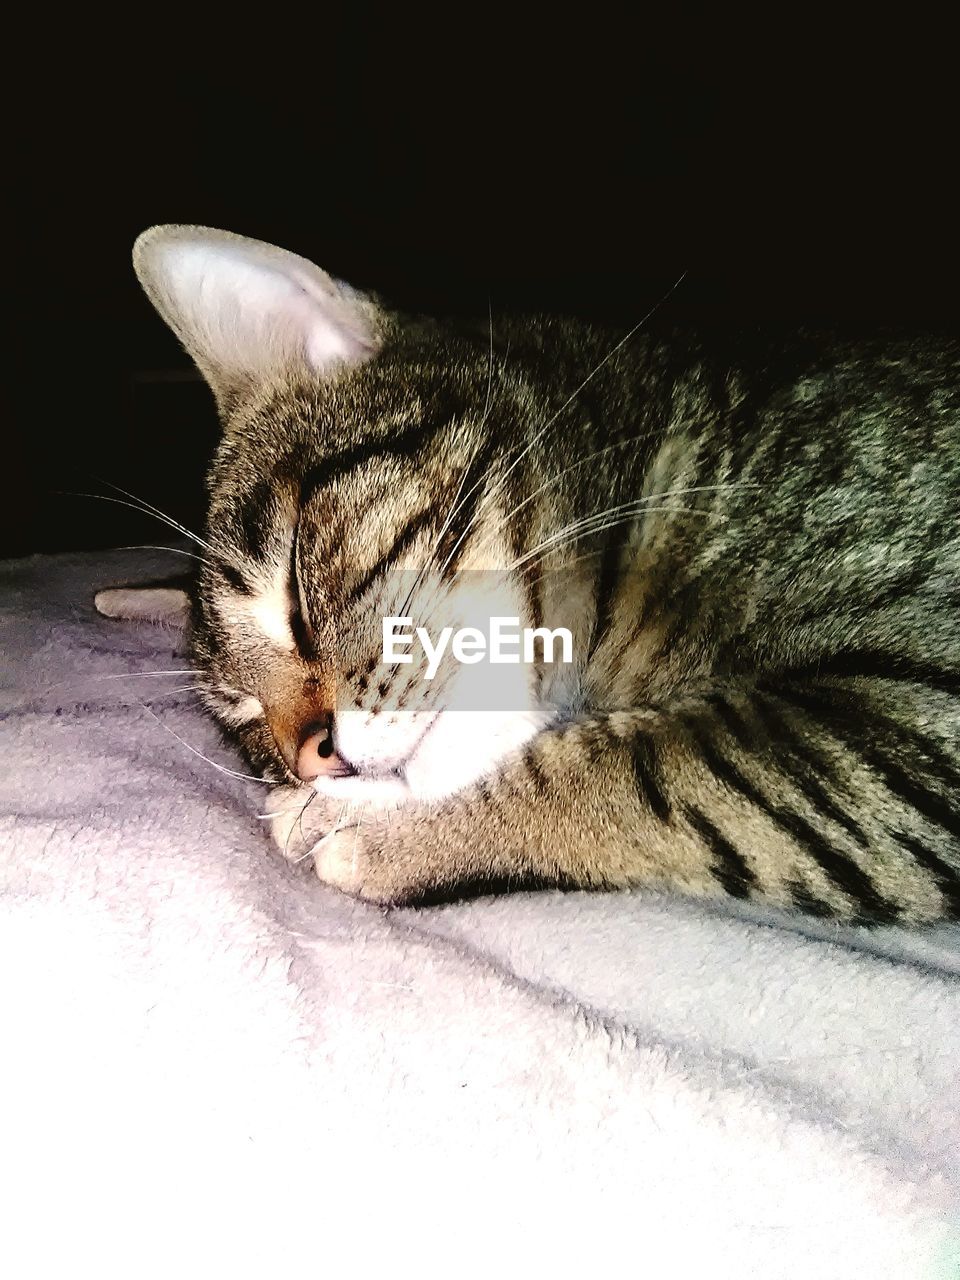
316 757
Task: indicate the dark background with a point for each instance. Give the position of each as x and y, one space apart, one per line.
797 175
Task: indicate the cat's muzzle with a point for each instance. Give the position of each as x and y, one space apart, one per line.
316 756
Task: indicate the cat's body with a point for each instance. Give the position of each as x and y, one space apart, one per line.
765 699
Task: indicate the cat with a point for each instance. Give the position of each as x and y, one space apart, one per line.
759 562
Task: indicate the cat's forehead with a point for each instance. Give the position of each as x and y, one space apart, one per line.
408 386
335 475
294 441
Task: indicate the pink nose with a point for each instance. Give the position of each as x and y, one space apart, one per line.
317 758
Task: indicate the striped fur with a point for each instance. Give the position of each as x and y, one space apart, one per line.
768 701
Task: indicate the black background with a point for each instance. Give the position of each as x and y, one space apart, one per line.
796 174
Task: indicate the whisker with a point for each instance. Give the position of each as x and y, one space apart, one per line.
356 837
584 530
306 805
150 546
592 374
148 506
231 773
286 843
486 407
144 511
262 817
587 555
633 507
307 852
591 555
143 675
454 508
653 497
457 502
620 444
120 675
537 436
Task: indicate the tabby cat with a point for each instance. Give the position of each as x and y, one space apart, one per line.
760 564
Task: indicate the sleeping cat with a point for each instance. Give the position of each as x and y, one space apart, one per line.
760 566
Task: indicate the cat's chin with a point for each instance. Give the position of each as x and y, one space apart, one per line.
380 790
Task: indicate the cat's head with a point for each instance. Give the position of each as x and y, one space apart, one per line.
366 471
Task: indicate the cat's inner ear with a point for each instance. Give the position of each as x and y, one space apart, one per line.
248 312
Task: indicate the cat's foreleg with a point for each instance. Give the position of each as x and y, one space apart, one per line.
819 802
585 804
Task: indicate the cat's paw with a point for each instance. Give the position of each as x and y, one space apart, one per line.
340 858
356 858
295 822
348 844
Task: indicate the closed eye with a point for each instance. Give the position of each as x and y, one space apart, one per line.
273 601
299 624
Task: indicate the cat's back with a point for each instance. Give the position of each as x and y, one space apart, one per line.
842 525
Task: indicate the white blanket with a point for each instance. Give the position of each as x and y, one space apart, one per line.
214 1066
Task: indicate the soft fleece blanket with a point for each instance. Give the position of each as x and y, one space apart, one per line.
212 1066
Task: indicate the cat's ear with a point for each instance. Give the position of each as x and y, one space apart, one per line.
247 312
